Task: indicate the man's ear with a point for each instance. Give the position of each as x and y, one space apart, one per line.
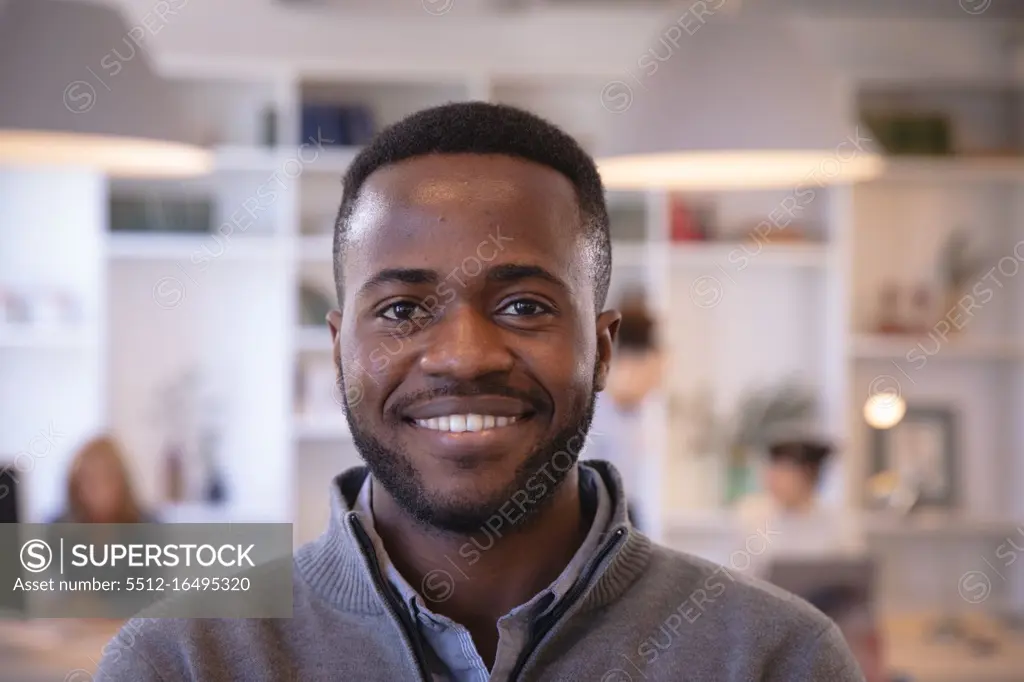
334 324
607 333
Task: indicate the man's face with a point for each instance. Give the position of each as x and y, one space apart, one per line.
469 348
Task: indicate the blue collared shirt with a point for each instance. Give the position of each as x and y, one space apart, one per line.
453 656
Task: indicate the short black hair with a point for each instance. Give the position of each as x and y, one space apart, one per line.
809 454
485 128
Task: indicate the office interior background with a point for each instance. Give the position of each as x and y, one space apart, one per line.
874 292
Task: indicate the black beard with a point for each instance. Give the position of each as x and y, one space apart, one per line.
546 468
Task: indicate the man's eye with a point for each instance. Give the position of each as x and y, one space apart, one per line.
525 307
403 310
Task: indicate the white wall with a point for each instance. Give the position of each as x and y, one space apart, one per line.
52 391
228 325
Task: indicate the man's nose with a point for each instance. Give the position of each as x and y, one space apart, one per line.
466 344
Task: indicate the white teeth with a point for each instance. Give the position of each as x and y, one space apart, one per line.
458 423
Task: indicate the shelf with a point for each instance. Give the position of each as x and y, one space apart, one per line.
897 347
321 427
290 161
313 338
28 337
734 256
248 159
952 169
329 160
737 256
316 248
195 248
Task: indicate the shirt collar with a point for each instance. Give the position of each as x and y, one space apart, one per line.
596 501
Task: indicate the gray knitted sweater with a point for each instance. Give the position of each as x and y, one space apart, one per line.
639 612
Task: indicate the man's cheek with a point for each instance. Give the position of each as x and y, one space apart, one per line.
380 359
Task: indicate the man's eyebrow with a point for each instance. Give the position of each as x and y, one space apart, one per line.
401 276
513 272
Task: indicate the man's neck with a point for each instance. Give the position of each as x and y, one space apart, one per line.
491 572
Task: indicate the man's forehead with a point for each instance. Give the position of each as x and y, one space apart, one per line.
436 179
438 184
419 192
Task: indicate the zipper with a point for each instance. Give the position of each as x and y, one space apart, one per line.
548 622
395 608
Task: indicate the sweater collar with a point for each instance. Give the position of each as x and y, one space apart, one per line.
340 566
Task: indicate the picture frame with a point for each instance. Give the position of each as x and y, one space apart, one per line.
924 449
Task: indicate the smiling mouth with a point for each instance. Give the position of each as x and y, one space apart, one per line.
468 423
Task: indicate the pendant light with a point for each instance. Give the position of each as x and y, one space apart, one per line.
732 103
77 89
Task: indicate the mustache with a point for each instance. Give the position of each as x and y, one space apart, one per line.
535 398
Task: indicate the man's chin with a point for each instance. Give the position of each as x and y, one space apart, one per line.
461 500
465 517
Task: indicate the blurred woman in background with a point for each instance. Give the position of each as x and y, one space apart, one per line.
101 502
99 488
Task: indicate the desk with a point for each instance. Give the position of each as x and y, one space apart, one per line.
49 651
909 651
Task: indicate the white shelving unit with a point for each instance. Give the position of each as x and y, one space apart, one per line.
972 359
52 373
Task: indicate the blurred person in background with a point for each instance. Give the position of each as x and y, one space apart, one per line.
789 511
99 487
618 426
101 501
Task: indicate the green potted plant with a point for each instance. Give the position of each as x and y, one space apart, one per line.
735 439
